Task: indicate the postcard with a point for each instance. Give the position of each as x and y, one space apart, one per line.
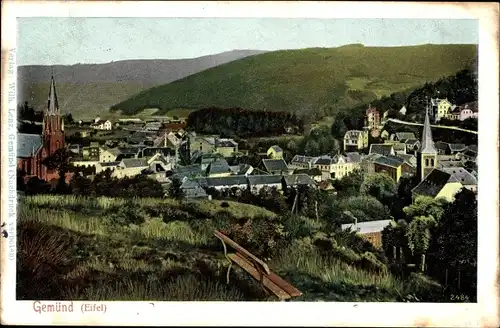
250 163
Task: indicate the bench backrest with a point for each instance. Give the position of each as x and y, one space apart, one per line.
242 251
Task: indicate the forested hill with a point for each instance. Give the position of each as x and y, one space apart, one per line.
90 89
307 80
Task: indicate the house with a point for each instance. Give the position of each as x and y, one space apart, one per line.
409 159
190 171
108 154
151 151
100 167
442 147
275 152
175 126
205 145
355 139
275 166
84 163
403 136
130 167
402 111
218 168
160 163
226 147
438 184
314 173
384 116
441 108
399 148
367 163
393 166
343 165
128 152
382 149
102 125
373 117
467 179
412 145
371 230
384 135
257 182
221 183
469 110
192 189
302 162
130 120
140 137
242 169
153 126
453 113
457 148
91 152
295 180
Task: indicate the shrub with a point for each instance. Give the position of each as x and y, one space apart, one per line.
370 262
129 213
43 253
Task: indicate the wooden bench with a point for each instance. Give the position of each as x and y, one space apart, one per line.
257 268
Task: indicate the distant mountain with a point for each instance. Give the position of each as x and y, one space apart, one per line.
89 89
305 80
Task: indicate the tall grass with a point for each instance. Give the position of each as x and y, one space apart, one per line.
182 288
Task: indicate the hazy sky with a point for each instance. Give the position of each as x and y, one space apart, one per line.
66 41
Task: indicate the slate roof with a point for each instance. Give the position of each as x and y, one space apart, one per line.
457 147
411 142
106 164
462 175
353 157
234 180
391 161
226 143
405 135
368 227
311 172
303 159
382 149
264 179
440 145
399 146
276 148
27 143
298 179
273 165
323 160
409 159
433 183
471 105
218 166
151 151
134 162
240 169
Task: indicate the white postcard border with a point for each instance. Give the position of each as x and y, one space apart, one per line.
484 313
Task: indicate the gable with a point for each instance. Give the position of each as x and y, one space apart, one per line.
27 144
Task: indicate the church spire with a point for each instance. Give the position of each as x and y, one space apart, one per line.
52 105
427 145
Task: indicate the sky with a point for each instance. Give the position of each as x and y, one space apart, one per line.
68 41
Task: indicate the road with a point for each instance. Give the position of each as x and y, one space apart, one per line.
434 126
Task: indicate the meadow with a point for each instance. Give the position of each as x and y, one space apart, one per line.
304 80
72 247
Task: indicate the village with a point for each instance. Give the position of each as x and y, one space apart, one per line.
167 152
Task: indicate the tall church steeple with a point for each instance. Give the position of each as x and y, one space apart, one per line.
427 153
53 125
52 105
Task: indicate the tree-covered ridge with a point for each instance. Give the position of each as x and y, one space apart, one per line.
305 80
243 123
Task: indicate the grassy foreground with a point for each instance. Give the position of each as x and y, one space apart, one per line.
87 249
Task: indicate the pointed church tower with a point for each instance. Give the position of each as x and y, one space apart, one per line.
427 153
53 125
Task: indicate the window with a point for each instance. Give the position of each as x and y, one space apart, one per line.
432 162
426 162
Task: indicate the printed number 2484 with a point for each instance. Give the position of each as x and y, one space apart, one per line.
460 297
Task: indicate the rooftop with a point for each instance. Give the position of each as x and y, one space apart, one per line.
28 144
382 149
368 227
433 183
264 179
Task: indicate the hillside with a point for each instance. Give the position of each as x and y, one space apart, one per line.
91 252
307 79
89 89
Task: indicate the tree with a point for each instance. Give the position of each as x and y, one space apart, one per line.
349 185
175 190
380 186
453 246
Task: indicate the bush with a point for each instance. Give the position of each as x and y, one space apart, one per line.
129 214
370 262
224 204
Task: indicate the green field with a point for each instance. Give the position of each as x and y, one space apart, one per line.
170 254
304 80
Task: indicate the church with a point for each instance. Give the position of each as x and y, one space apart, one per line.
32 149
